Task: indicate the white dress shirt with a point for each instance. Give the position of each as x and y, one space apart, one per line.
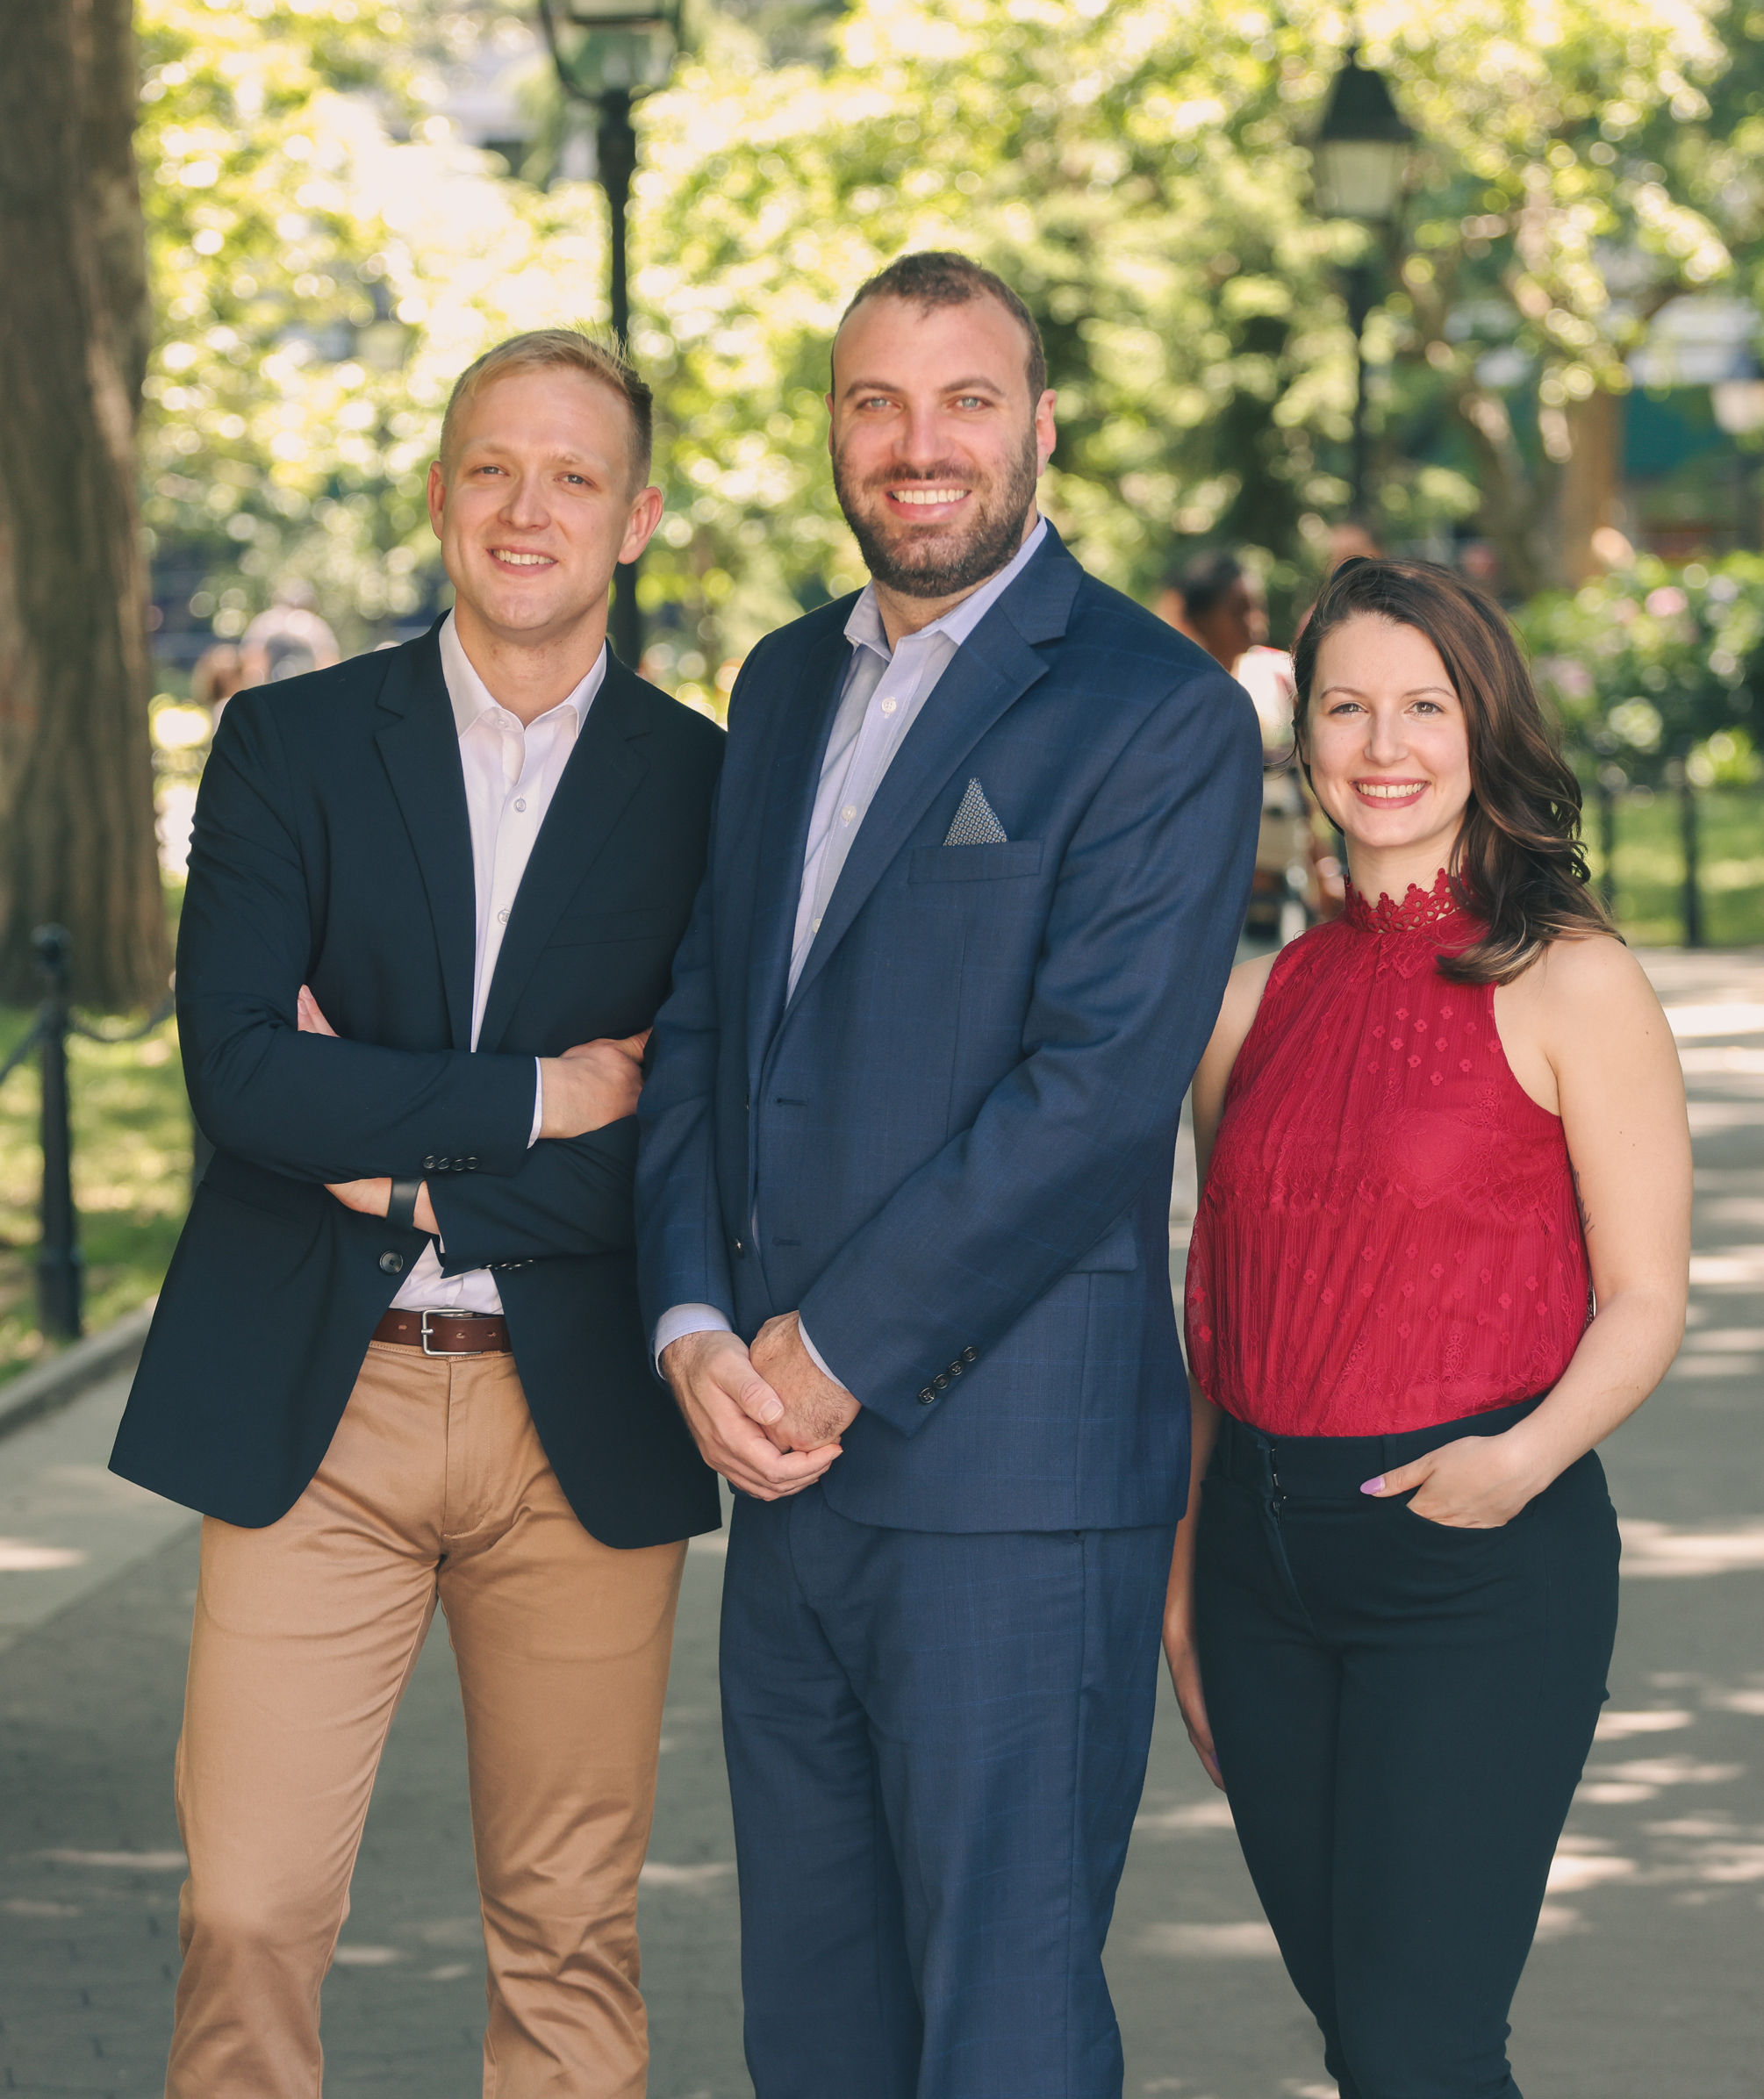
884 692
511 774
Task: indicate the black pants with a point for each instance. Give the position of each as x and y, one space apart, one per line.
1401 1712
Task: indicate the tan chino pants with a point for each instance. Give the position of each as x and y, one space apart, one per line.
435 1488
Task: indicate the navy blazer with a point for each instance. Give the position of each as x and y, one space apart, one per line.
333 847
952 1149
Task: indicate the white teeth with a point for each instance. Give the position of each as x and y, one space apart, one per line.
1381 793
523 561
927 495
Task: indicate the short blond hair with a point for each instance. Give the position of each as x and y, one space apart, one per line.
569 349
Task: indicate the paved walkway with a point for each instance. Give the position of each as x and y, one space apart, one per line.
1645 1985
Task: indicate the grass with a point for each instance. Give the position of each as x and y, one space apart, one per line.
132 1155
1649 867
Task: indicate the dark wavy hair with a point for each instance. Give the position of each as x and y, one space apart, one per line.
1517 862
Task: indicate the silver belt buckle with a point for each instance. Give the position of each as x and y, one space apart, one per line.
427 1351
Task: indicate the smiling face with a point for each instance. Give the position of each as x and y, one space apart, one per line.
936 445
1389 751
536 506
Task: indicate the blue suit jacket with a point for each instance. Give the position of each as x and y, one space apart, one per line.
956 1137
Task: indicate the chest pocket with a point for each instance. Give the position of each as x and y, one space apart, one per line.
976 862
597 928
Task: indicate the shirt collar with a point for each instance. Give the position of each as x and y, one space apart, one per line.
470 697
864 626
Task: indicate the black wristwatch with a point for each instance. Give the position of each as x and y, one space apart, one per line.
402 1209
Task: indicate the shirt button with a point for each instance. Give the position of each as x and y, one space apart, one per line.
502 918
814 925
889 705
849 811
520 803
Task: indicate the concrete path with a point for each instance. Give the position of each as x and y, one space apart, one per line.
1644 1986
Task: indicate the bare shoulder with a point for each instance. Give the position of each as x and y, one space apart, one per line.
1595 983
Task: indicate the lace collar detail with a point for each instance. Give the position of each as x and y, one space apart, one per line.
1421 910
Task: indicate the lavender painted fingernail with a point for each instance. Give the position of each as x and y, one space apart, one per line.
1372 1486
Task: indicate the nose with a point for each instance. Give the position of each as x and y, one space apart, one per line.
1385 744
524 506
919 443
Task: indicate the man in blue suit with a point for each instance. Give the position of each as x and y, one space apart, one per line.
983 841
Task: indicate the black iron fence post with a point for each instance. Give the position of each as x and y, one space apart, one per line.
1606 791
61 1264
1688 834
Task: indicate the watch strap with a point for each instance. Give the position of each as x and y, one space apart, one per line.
402 1209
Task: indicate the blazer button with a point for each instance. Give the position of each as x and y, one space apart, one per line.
942 1380
927 1398
428 1165
967 1355
392 1264
471 1165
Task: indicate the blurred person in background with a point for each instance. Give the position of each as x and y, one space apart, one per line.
1217 602
1440 1253
216 674
289 639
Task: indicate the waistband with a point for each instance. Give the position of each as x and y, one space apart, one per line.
1332 1466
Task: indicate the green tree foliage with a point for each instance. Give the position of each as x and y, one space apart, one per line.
326 261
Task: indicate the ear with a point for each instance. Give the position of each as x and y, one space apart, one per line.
639 526
437 494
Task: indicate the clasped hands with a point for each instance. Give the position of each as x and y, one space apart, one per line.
769 1419
587 1087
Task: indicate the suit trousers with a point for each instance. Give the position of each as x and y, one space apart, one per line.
936 1743
435 1488
1401 1711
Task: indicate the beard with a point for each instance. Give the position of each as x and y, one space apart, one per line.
940 561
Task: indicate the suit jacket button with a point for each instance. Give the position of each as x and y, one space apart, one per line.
942 1380
927 1398
428 1165
967 1355
392 1264
471 1165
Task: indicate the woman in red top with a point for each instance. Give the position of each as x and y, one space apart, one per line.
1434 1136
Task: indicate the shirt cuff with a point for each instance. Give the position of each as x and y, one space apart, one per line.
538 1102
819 1360
681 1320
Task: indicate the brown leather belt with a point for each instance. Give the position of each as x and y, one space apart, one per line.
445 1332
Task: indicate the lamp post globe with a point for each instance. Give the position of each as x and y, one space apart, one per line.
607 53
1360 158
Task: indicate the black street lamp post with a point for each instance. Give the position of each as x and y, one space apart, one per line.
607 53
1360 154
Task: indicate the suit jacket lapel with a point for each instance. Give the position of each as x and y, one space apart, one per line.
806 723
419 745
600 778
989 673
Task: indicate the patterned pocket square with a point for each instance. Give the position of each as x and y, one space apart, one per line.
975 823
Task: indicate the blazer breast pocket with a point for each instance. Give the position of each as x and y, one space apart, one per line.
583 928
976 862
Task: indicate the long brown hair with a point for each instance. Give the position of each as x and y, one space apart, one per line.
1518 861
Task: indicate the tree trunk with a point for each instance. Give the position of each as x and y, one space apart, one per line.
1587 495
77 810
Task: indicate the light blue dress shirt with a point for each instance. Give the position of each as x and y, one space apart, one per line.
884 692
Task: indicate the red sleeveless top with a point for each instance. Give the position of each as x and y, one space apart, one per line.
1389 1236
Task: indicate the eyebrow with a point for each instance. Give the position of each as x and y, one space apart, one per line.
1414 692
974 385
